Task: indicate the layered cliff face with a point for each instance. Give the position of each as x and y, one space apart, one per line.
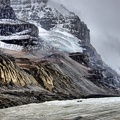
13 31
10 74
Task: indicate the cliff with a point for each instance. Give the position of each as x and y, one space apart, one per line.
14 31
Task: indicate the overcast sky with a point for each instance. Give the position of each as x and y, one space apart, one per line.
103 20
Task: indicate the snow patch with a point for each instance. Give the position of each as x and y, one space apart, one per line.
10 46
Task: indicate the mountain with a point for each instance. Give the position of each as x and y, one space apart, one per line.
56 63
62 30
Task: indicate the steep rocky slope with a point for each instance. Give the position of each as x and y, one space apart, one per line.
13 31
55 17
48 16
25 80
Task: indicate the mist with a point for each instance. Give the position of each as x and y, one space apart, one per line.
103 20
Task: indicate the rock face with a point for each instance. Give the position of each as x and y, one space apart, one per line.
78 28
14 31
4 3
7 12
80 58
10 74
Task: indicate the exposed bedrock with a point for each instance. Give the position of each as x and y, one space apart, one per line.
24 80
13 30
10 74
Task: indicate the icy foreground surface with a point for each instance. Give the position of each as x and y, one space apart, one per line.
83 109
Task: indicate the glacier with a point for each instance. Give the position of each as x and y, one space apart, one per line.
60 40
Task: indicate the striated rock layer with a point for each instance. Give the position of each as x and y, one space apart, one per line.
10 74
14 31
41 11
57 77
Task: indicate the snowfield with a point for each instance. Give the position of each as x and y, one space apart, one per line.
80 109
60 39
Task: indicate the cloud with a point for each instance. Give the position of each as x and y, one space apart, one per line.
103 20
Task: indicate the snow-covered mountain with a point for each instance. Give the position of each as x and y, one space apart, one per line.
59 31
56 61
52 17
62 30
